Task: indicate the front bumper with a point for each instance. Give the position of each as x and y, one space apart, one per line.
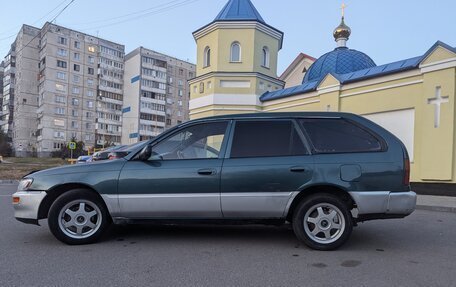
385 204
26 210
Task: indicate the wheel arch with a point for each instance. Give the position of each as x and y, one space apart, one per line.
338 191
53 193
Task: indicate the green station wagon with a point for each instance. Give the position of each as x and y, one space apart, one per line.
322 172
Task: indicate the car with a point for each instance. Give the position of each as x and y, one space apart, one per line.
104 154
84 159
320 172
124 151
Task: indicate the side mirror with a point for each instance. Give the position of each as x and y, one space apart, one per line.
145 153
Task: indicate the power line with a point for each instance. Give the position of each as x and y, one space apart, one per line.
186 2
53 19
127 15
47 14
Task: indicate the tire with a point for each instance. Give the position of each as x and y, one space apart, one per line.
322 222
78 217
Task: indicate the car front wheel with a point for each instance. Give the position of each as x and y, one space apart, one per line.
322 222
78 217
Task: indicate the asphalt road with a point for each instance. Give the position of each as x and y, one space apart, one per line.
416 251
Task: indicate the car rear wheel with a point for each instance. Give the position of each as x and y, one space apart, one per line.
322 222
78 217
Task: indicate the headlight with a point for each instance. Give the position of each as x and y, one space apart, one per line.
24 184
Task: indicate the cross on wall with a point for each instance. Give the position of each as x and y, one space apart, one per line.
437 101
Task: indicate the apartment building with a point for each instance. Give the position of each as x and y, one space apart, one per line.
156 94
1 87
59 85
20 93
80 89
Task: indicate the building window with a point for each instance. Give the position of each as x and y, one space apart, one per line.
59 99
77 45
76 56
74 125
195 89
61 75
207 57
209 85
62 40
91 49
59 111
76 67
181 93
60 135
88 126
90 93
235 52
201 90
75 102
59 123
60 87
91 60
90 82
76 90
62 52
181 72
76 78
89 104
90 71
265 57
61 64
180 83
74 113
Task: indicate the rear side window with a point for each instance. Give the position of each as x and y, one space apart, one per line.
266 139
339 135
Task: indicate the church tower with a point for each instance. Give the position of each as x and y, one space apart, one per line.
236 62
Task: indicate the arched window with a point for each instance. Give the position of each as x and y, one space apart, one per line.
207 57
265 58
235 52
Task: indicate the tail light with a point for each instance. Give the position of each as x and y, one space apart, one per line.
406 171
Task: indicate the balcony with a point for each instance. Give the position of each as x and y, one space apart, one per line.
152 123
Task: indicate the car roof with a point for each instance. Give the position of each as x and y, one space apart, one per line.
280 115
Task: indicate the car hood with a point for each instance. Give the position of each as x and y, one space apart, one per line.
109 165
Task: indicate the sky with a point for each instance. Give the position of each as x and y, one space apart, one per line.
387 30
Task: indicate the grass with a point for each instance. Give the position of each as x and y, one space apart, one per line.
17 167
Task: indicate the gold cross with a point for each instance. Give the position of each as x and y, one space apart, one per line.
343 9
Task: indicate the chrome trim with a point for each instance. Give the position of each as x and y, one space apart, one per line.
384 202
255 204
29 204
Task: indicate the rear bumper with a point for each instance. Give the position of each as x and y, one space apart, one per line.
384 204
29 203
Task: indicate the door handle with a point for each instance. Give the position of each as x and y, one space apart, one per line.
207 171
297 169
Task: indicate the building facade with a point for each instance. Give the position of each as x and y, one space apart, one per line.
156 94
62 85
237 57
413 98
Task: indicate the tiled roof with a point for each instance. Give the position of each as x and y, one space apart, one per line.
239 10
364 74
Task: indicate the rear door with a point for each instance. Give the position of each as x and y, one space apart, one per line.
267 162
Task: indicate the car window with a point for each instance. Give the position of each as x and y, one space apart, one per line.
266 138
202 141
339 135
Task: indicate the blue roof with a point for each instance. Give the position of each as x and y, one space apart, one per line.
364 74
239 10
339 61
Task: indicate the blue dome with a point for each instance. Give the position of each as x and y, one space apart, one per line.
339 61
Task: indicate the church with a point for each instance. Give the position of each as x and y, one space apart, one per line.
413 98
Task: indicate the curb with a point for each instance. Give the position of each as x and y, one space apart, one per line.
8 181
437 208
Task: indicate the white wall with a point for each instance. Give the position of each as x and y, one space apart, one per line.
400 123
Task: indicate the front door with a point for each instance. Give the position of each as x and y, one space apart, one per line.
267 164
181 179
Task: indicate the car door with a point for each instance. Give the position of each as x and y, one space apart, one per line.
182 177
267 163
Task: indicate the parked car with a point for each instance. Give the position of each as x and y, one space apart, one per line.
104 154
124 151
322 172
84 159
